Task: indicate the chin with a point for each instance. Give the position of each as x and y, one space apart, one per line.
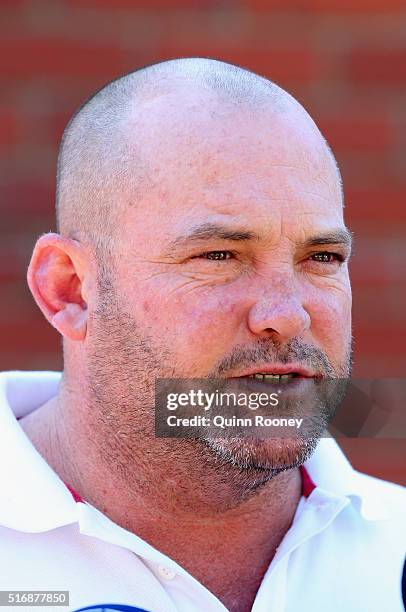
272 454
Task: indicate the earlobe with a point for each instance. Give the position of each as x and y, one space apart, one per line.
55 277
71 321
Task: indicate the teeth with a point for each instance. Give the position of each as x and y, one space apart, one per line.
272 377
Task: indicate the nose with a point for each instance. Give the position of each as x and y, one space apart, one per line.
279 312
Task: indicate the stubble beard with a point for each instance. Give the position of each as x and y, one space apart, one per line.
123 364
265 458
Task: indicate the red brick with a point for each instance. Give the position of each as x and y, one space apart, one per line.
358 134
381 458
9 273
13 4
391 305
12 360
27 196
383 67
40 135
8 128
32 57
367 171
279 64
356 6
377 271
328 6
372 365
385 339
58 123
385 206
139 5
13 265
29 335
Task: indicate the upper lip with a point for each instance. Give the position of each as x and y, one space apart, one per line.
270 368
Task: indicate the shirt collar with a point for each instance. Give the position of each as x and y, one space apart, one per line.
35 499
333 473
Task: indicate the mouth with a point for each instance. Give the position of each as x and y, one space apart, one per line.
273 374
272 378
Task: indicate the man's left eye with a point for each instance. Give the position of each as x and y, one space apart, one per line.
326 257
217 255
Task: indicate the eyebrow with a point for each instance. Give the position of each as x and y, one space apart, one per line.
339 236
210 231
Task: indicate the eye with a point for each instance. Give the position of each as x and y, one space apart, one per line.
216 255
327 257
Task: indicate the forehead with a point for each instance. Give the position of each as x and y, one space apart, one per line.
208 159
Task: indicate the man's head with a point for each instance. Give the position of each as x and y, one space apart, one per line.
201 234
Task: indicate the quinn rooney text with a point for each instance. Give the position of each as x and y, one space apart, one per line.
223 422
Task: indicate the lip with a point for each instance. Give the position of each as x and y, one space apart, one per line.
279 369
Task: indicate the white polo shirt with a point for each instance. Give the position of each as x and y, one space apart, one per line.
343 553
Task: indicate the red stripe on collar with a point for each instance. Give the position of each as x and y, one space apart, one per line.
75 495
307 483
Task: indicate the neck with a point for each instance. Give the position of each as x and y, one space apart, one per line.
174 494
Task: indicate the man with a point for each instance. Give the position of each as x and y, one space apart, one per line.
201 234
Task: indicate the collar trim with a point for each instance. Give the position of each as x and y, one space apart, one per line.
74 494
308 485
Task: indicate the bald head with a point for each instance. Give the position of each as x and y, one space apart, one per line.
102 155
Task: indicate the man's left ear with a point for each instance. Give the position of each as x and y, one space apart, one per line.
55 277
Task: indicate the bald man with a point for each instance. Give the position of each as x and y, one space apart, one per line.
200 235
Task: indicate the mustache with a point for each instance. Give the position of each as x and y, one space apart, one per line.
269 350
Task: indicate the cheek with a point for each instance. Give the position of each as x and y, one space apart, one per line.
197 330
189 319
331 322
206 327
210 320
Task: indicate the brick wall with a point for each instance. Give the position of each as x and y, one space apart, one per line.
345 60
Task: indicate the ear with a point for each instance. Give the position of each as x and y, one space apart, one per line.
55 277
